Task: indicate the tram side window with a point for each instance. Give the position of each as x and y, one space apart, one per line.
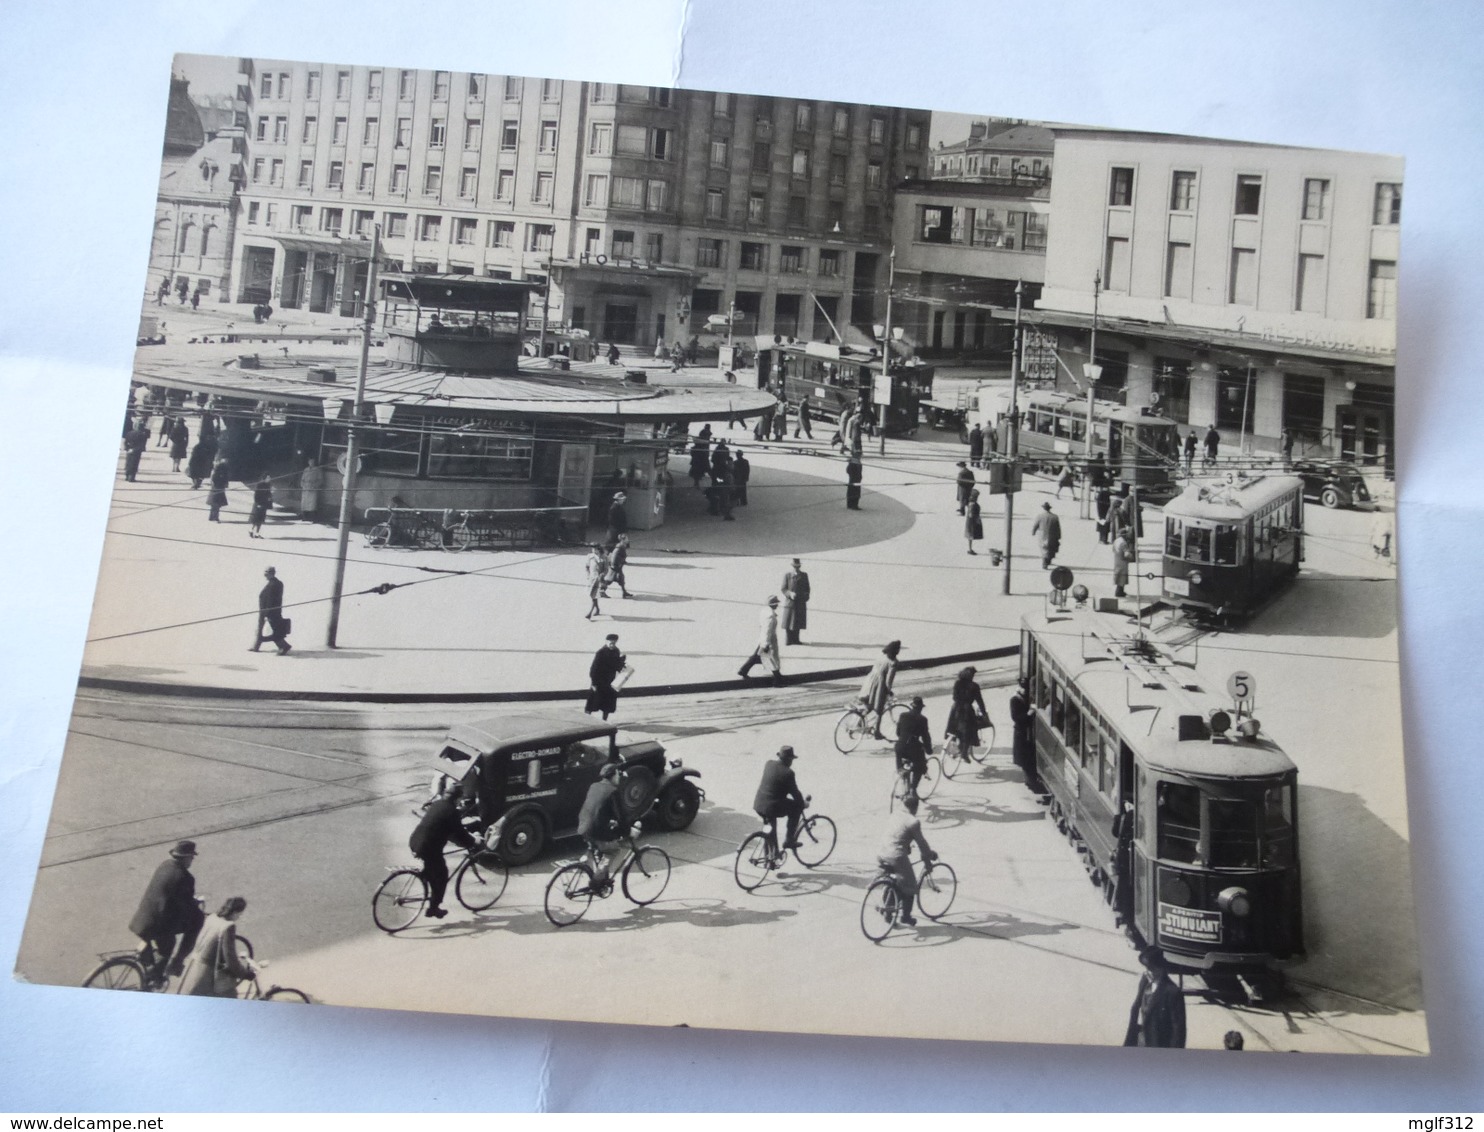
1179 822
1108 774
1277 826
1141 806
1226 546
1198 544
1090 744
1174 537
1042 422
1079 428
1233 833
1058 708
1043 686
1074 729
1061 425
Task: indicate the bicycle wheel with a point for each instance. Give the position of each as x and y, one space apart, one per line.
481 883
459 538
986 744
379 535
244 947
753 863
399 900
936 889
122 972
850 730
928 783
646 875
285 994
954 762
816 841
568 894
893 713
879 910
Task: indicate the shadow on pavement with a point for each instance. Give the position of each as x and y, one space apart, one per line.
526 920
1330 605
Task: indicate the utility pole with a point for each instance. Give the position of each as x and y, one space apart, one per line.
1012 441
545 301
881 407
1092 371
348 477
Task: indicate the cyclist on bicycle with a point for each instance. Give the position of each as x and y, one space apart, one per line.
441 823
876 690
601 822
778 796
169 919
914 744
903 829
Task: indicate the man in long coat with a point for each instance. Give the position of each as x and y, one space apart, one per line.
741 473
965 484
767 643
1122 555
135 442
168 918
270 612
795 591
1047 529
1157 1017
853 484
976 445
618 519
607 663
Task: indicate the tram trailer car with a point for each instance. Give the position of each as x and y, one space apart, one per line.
1186 817
1231 543
1141 448
831 377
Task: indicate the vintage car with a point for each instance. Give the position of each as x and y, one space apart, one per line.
526 774
1332 484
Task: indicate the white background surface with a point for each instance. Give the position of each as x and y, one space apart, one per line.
83 90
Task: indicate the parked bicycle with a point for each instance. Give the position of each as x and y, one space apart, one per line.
759 854
478 882
858 721
417 529
643 870
957 761
937 885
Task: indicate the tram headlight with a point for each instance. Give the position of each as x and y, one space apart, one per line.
1195 577
1234 900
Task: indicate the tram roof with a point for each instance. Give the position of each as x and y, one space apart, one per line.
1075 404
1216 499
216 370
1144 691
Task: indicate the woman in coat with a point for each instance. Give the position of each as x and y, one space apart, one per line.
597 573
215 966
968 713
180 440
700 460
973 527
876 691
1122 556
262 499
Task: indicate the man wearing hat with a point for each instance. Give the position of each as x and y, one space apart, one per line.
795 590
169 919
601 820
914 744
1157 1017
1047 529
965 483
778 796
767 642
607 663
618 518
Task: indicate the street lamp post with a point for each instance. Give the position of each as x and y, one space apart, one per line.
1092 371
348 477
881 406
1012 442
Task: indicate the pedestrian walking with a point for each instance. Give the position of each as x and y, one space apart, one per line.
616 563
167 423
976 445
973 526
270 612
195 300
780 421
163 290
1190 446
203 455
1104 506
692 349
875 692
180 440
677 355
1157 1017
1123 554
853 484
608 662
767 643
795 590
1213 443
968 713
964 484
659 347
134 445
1023 747
1129 516
220 477
597 570
1067 479
721 461
1047 531
168 919
216 964
804 420
700 461
618 519
311 483
262 499
741 474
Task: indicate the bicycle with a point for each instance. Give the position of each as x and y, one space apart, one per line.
275 993
759 854
478 882
956 760
926 785
137 970
644 871
858 721
412 529
937 885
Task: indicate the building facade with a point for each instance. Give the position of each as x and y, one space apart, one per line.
646 209
997 150
1249 286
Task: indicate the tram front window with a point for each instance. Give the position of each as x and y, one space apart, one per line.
1226 546
1198 544
1233 824
1179 823
1174 537
1159 440
1277 826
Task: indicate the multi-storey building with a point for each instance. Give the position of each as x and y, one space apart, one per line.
645 208
1252 286
997 151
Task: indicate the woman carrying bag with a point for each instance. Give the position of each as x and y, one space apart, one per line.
215 967
967 715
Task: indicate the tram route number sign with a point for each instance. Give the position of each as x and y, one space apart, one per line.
1189 923
1242 687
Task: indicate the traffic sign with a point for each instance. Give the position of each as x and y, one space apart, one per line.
1241 686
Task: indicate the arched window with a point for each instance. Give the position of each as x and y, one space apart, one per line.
206 238
184 243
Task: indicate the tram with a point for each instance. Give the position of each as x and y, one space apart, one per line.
1139 448
832 377
1185 811
1231 543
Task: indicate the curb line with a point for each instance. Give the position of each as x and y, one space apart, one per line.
206 691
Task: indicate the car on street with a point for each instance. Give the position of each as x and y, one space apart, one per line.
527 772
1333 484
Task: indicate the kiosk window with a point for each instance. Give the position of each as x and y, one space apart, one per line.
1179 822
